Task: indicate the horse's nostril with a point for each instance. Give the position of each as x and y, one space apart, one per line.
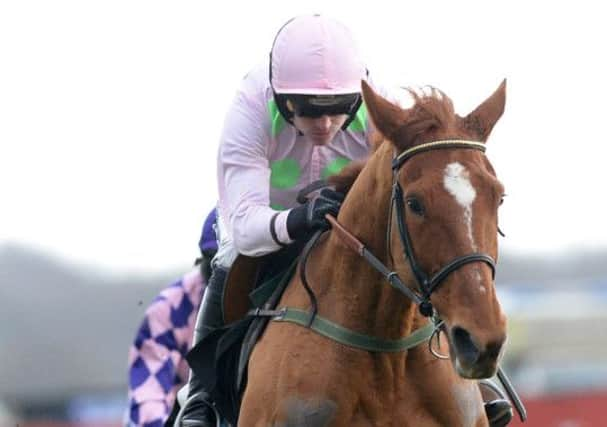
493 350
465 349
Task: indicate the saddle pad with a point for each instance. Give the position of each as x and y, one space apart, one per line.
248 272
240 283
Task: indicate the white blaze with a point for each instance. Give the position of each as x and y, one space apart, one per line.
457 182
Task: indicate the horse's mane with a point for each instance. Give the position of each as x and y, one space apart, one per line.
344 180
432 111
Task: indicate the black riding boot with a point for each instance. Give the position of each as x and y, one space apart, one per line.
198 410
497 407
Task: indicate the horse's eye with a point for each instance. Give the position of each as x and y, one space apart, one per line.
415 206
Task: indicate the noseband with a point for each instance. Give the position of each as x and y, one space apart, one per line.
428 284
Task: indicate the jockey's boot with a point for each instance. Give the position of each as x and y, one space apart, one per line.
198 410
497 407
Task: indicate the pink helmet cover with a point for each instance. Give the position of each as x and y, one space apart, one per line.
316 55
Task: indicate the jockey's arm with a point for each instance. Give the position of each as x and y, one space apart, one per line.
244 180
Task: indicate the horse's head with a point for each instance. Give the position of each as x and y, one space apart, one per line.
446 240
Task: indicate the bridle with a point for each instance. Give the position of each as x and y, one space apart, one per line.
427 284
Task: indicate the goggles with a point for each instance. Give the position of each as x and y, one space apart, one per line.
315 106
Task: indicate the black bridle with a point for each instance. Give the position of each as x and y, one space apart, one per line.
428 284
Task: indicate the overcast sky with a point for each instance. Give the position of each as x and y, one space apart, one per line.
110 112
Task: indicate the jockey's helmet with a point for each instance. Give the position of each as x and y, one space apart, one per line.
316 68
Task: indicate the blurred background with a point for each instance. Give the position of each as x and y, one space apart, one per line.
110 116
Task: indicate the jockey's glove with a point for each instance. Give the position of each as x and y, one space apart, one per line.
310 216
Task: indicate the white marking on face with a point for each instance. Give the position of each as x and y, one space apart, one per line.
457 182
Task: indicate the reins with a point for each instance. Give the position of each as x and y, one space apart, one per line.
426 284
325 327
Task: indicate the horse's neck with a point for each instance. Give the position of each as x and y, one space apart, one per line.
355 294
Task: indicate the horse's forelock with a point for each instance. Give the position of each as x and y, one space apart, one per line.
433 102
432 111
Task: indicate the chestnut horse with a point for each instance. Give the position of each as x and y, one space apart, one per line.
425 204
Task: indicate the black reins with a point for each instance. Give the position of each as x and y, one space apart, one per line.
428 284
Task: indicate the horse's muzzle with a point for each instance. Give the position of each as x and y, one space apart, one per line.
470 359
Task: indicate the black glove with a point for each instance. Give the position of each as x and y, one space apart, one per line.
311 215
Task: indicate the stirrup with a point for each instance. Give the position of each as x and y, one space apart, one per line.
498 408
499 412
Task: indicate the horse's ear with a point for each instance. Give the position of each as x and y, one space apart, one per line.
486 115
386 117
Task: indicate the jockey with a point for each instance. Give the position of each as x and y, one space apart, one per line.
296 119
157 368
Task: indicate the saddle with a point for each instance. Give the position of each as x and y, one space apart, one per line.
220 359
